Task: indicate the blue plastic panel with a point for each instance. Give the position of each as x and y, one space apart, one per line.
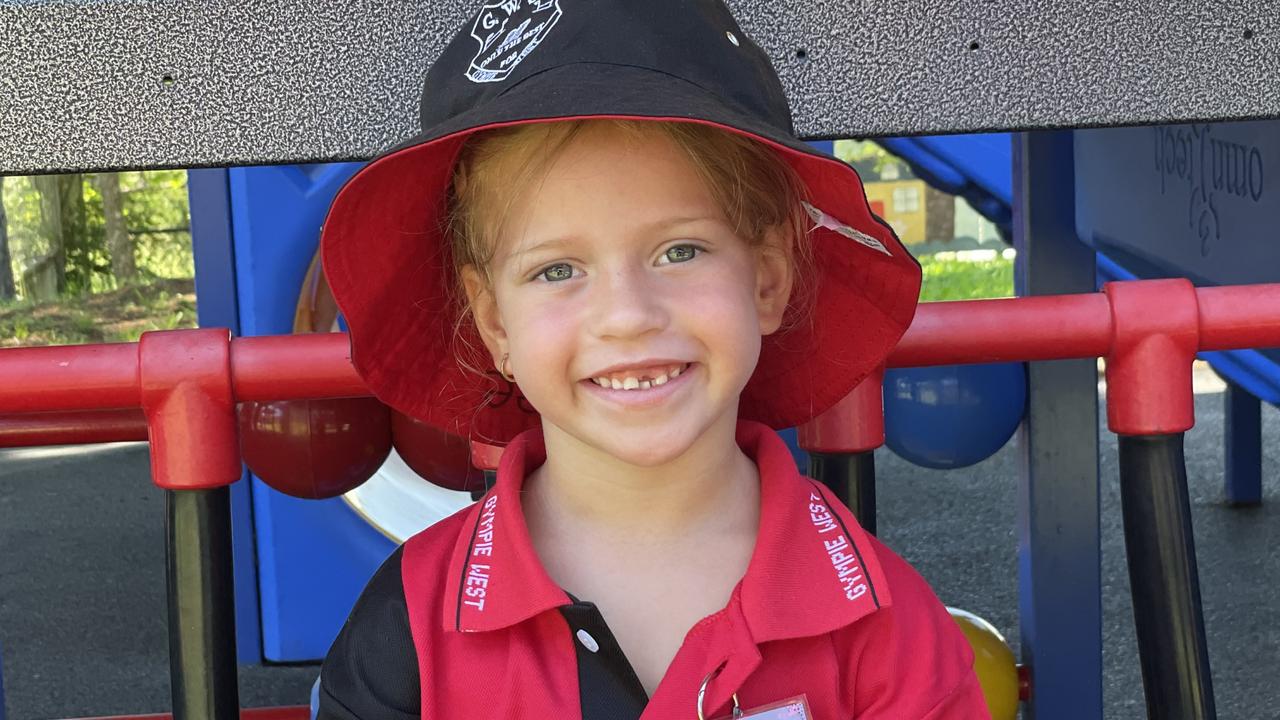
314 557
1190 200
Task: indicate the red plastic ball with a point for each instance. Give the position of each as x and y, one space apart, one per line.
438 456
315 448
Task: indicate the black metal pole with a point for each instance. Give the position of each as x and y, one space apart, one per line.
202 631
852 476
1162 573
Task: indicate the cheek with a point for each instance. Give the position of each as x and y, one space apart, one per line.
726 290
541 334
723 307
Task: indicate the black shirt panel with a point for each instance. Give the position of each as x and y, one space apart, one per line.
608 686
371 670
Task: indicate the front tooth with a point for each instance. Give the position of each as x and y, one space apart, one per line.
660 380
616 384
630 384
644 384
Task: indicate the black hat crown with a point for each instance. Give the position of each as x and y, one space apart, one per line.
691 41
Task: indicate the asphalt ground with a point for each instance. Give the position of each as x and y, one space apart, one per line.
82 613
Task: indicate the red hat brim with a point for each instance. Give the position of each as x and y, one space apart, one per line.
387 259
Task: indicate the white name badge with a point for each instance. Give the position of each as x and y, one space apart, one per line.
795 708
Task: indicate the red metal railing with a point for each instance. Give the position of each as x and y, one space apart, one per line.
48 395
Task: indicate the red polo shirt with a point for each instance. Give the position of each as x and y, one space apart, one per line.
824 609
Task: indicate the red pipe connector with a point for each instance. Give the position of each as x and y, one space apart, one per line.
185 382
1155 332
855 424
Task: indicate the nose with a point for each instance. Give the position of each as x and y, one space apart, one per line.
626 302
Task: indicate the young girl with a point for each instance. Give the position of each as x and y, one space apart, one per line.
607 206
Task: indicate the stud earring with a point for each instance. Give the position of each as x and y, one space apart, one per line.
502 368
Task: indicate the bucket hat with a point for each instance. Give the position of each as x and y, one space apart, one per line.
386 252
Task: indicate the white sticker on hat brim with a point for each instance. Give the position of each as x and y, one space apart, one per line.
822 220
508 30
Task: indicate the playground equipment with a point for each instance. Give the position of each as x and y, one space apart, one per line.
1002 683
315 449
188 382
990 65
1168 201
955 415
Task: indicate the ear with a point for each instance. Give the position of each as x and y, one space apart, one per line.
484 309
773 279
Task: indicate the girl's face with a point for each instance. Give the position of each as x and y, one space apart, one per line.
620 268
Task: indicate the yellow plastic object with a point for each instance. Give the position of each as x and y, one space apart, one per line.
996 667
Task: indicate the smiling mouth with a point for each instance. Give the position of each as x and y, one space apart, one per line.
641 380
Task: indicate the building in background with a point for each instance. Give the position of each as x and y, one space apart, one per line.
925 219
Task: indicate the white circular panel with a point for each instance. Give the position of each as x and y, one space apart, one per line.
399 503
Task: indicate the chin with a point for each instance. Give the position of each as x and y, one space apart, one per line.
649 447
644 457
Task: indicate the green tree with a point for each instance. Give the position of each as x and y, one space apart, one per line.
940 215
49 188
869 158
62 236
77 255
123 265
7 290
156 213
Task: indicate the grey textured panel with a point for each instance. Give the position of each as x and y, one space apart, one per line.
98 84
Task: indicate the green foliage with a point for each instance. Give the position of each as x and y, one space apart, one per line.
23 323
95 226
858 151
953 279
22 206
870 158
87 262
114 316
155 215
95 307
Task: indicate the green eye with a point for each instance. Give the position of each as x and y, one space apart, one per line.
680 253
556 273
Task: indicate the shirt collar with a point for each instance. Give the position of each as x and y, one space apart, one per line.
813 568
496 579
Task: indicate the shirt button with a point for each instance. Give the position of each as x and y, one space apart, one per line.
587 641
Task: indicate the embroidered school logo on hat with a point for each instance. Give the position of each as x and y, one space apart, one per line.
507 32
